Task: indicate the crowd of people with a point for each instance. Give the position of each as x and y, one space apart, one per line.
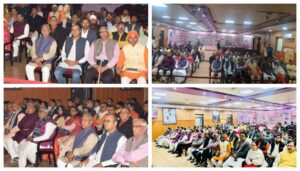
228 145
89 133
175 63
63 43
226 65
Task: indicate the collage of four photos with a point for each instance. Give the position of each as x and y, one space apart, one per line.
220 80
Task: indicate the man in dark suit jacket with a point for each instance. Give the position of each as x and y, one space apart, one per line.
239 152
87 32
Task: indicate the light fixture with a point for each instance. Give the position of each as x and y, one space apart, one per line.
160 94
284 28
165 16
270 30
229 21
247 22
179 22
183 18
193 23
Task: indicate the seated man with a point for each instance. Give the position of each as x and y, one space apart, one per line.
42 53
287 158
84 145
254 70
103 56
134 25
133 61
216 68
276 147
86 32
167 66
120 35
134 153
125 123
15 117
20 30
255 157
21 132
223 152
74 53
44 130
267 70
291 69
239 152
229 68
262 143
180 69
109 143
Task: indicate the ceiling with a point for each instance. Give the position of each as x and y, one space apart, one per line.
259 99
259 18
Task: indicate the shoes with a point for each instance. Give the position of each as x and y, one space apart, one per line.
178 155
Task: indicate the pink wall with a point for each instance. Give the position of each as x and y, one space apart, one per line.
270 118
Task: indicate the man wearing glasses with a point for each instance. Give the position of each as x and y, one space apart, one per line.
135 152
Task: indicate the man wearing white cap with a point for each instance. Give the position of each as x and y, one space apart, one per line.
94 22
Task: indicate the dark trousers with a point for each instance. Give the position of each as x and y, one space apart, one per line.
182 147
91 75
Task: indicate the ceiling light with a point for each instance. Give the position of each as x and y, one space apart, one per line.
229 21
160 94
193 23
247 22
199 9
284 28
270 30
160 5
179 22
183 18
165 16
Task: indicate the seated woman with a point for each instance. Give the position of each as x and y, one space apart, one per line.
68 132
255 157
279 72
60 116
181 67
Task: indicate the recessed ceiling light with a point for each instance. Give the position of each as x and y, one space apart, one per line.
284 28
193 23
270 30
160 94
160 5
165 16
183 18
229 21
179 22
247 22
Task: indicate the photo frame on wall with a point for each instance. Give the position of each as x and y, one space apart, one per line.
216 116
169 116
